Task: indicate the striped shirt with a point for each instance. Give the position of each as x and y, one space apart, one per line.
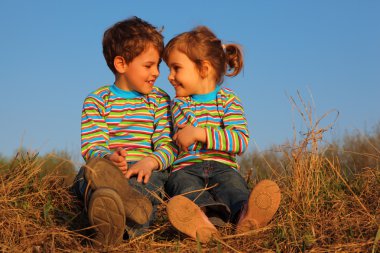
221 114
140 124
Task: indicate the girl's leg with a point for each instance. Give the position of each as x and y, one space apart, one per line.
263 203
187 189
188 218
232 190
248 210
190 182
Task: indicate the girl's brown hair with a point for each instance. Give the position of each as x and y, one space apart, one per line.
201 44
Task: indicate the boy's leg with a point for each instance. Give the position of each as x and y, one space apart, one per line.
154 190
99 174
106 214
79 187
101 208
102 173
78 190
263 203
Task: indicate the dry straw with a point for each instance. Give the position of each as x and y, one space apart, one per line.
327 206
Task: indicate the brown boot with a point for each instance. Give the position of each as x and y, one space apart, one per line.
102 173
106 214
263 203
189 219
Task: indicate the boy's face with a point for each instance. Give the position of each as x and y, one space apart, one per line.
184 74
141 73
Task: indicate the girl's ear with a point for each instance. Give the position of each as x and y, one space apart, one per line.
205 70
120 64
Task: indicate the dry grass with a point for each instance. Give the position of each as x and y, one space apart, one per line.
323 209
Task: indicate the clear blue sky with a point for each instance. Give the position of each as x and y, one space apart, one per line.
51 58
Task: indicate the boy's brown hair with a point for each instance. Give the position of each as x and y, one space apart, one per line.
129 38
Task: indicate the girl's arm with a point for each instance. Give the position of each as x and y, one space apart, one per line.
233 138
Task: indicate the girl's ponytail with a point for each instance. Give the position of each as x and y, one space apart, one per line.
234 59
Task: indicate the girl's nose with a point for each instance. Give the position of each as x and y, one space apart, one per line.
171 77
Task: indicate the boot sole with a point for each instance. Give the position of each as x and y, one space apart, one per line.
189 219
103 173
263 203
106 214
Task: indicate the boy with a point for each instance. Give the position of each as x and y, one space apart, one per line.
126 134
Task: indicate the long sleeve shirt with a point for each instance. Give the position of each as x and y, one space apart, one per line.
140 124
221 114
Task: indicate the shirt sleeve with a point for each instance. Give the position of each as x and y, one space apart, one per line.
233 137
164 149
181 114
94 129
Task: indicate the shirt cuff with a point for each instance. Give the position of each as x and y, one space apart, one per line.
158 161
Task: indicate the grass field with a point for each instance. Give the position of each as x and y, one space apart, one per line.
330 202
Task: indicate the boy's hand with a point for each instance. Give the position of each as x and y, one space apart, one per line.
143 169
188 135
118 158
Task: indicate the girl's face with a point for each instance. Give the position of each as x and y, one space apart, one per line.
184 75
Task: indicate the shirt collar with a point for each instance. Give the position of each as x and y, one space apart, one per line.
206 97
124 93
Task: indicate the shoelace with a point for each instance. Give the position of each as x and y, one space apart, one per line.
86 192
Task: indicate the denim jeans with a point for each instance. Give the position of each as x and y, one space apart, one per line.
155 185
225 199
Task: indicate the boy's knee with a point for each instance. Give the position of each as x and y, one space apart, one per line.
159 178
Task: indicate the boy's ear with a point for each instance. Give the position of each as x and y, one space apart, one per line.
120 64
205 70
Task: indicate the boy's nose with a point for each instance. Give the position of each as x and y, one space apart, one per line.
156 72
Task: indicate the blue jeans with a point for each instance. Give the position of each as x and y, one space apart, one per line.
225 199
155 185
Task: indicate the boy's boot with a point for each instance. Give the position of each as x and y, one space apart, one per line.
189 219
263 203
102 173
106 214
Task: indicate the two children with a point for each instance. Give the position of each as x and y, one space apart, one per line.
127 144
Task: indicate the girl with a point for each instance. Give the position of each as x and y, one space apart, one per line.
210 130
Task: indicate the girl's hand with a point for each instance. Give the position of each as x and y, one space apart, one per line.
188 135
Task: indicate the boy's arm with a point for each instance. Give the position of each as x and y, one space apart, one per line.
95 134
164 149
94 129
